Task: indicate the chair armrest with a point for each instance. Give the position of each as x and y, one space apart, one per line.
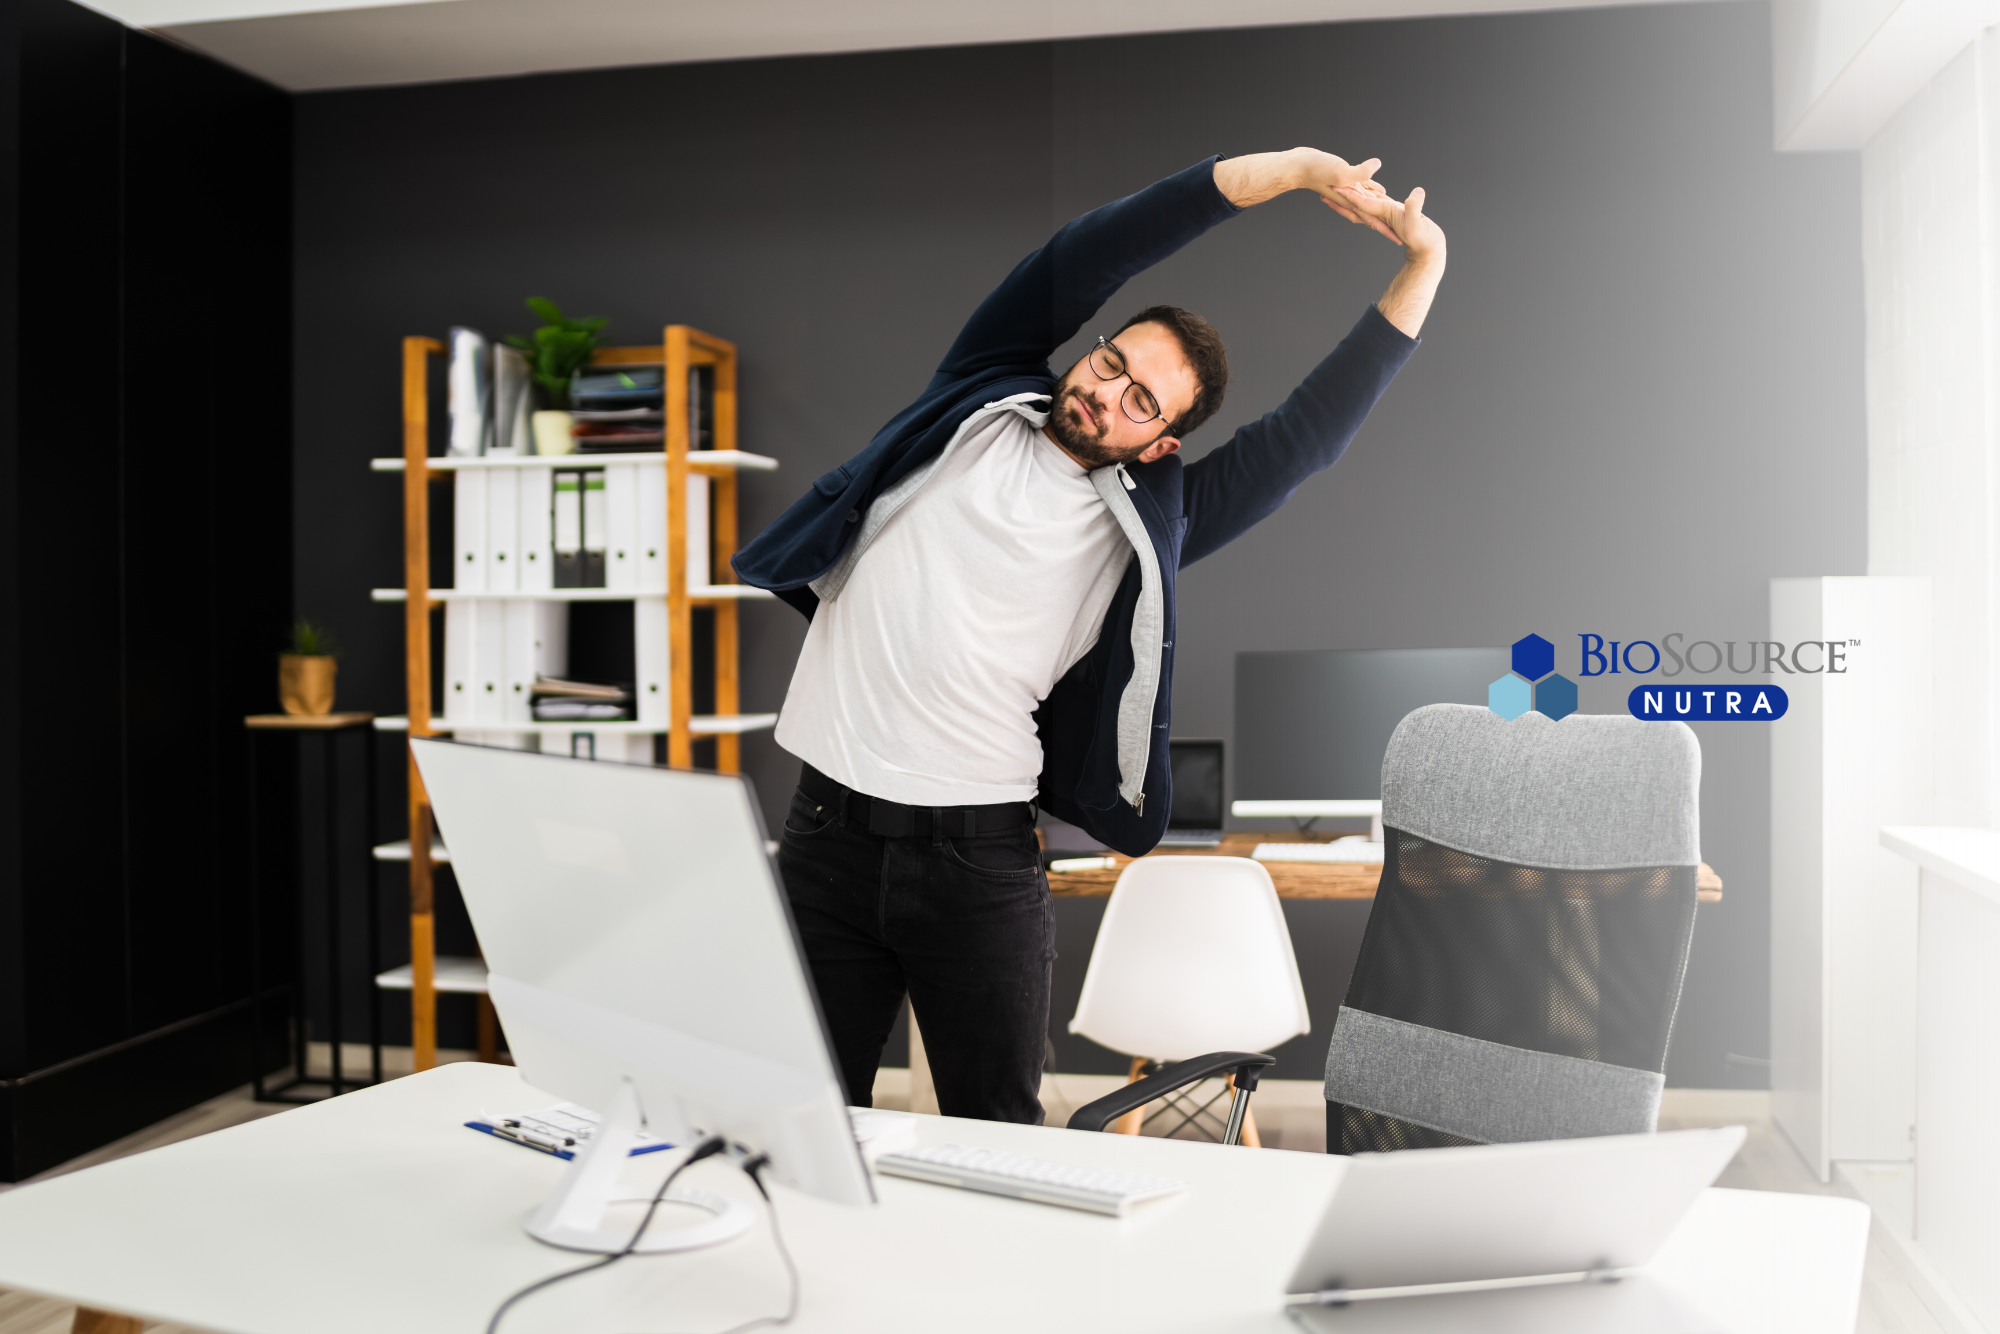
1245 1065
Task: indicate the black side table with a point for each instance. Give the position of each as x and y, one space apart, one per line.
328 728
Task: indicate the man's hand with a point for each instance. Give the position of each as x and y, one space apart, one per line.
1256 177
1404 223
1410 293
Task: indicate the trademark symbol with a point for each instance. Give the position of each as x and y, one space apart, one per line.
1854 643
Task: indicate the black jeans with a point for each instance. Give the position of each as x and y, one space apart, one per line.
963 925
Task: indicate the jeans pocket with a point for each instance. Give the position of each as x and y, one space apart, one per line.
806 817
1012 855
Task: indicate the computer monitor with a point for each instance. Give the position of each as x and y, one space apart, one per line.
1313 724
640 954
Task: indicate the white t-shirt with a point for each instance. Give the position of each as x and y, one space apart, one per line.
919 681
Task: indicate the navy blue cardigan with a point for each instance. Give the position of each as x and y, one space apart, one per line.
1187 512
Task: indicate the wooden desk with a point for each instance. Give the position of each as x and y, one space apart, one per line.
1294 880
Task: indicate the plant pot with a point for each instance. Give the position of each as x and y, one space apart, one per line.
305 684
552 432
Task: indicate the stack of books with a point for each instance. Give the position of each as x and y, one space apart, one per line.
558 701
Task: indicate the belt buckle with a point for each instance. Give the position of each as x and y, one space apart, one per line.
889 819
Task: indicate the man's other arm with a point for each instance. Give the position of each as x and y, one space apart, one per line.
1245 481
1050 294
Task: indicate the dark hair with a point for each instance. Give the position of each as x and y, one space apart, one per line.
1202 346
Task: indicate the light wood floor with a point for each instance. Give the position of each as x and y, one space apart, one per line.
1290 1115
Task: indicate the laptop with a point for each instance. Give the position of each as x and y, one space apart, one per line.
1196 818
1436 1222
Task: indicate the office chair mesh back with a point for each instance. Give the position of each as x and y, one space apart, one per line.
1523 960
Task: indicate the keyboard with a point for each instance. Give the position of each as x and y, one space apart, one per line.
1023 1178
1353 849
1191 838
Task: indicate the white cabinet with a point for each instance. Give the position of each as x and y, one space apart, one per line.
1853 754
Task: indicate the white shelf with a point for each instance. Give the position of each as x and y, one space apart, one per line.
399 851
713 458
698 592
465 976
701 725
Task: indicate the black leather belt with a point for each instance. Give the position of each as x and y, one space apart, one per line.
892 819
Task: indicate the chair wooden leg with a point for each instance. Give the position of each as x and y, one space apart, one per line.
1129 1123
489 1030
98 1322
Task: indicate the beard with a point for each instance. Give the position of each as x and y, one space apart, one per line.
1071 429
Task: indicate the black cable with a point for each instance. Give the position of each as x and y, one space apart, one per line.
708 1148
754 1169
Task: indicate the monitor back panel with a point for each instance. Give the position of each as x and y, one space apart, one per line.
639 890
1312 724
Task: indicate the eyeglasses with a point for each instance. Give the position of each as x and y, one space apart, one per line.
1108 363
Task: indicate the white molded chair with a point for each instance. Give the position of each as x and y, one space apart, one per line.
1193 957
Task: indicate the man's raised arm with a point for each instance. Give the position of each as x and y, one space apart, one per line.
1242 482
1050 294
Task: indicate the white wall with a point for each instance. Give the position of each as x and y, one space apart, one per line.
1841 68
1930 183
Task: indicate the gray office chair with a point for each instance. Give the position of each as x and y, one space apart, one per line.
1523 960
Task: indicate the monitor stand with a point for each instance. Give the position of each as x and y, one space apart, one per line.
573 1217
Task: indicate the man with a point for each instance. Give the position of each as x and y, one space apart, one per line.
991 589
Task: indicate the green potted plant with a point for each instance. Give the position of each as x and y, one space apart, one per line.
555 352
306 670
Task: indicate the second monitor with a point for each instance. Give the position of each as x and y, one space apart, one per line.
1313 724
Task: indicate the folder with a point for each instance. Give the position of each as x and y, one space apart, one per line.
537 566
460 682
650 659
537 645
621 522
468 395
627 747
503 530
511 405
594 525
697 531
567 532
468 530
489 661
652 526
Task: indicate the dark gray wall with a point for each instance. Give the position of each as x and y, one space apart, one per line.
1639 397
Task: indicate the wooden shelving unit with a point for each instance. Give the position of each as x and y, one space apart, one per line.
682 349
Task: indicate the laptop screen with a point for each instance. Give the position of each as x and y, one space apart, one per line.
1197 784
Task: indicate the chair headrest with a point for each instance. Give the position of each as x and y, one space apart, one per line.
1592 792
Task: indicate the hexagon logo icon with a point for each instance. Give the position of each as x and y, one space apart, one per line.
1510 697
1534 657
1555 696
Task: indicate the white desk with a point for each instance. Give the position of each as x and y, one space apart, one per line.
378 1211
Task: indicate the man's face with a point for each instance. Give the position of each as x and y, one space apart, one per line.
1089 417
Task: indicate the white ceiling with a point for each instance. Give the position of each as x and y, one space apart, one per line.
305 44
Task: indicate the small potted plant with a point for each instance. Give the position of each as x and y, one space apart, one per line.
306 670
555 353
